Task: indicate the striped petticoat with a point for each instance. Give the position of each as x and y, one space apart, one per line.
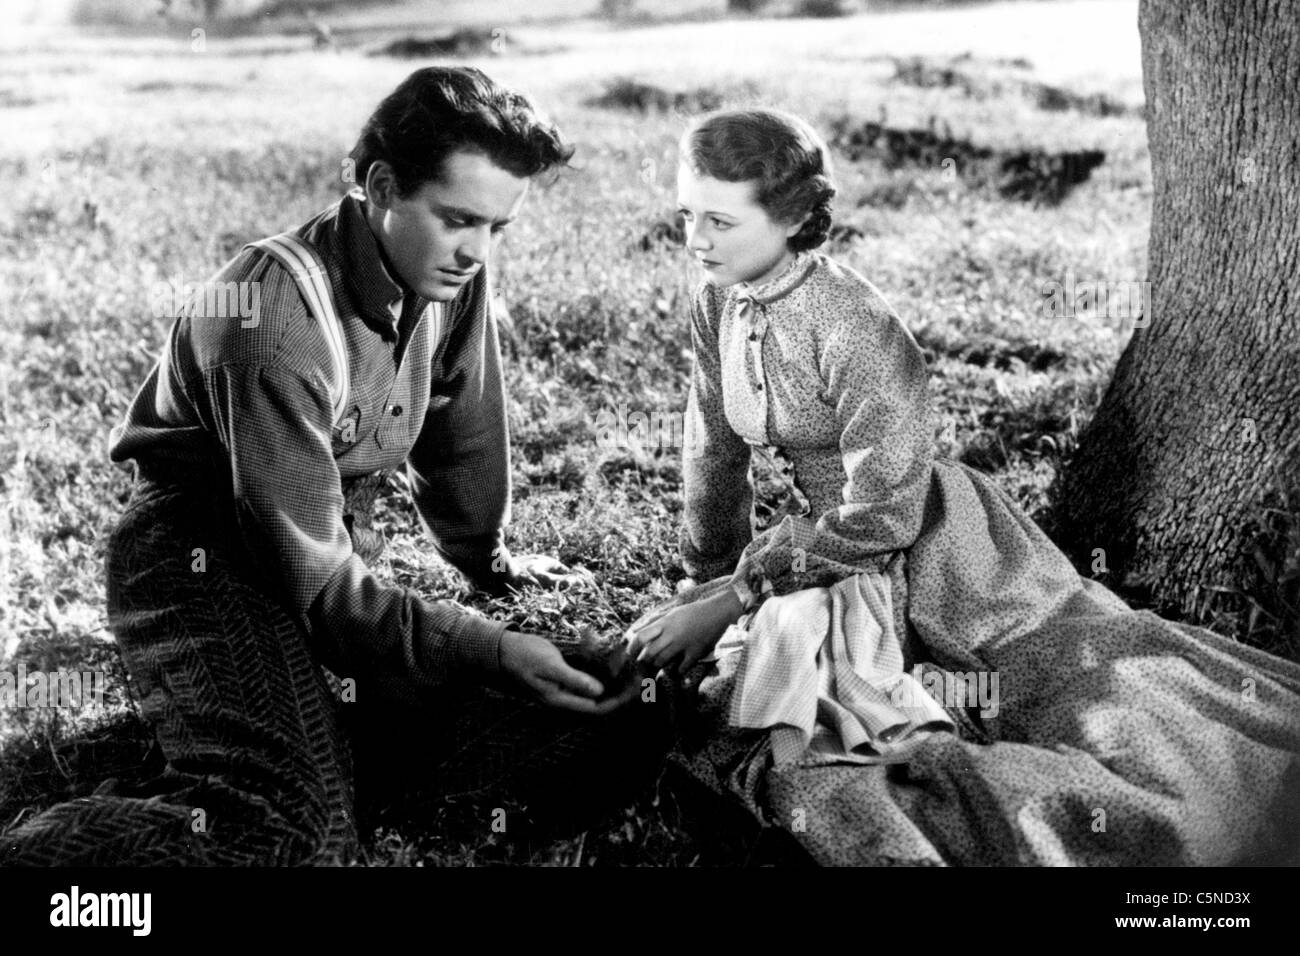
822 668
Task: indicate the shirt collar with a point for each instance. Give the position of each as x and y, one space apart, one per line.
789 280
373 287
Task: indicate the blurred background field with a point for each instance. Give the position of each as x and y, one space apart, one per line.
138 146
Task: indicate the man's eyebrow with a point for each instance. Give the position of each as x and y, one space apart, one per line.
470 216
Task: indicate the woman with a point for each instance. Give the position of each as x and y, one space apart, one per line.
1072 729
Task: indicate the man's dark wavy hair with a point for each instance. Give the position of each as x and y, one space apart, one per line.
786 159
439 110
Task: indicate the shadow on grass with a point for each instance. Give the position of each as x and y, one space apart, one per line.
674 822
45 768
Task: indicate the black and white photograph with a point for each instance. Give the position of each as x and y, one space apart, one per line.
630 434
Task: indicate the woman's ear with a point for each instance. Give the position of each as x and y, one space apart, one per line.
793 230
381 184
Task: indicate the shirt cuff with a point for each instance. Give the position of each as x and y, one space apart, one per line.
477 642
748 583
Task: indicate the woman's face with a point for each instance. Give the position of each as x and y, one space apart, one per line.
730 234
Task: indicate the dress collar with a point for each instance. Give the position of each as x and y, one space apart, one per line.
782 285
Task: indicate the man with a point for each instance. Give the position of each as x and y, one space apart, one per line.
238 568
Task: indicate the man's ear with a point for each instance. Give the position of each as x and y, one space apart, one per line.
381 184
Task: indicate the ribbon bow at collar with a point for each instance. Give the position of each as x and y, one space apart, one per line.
750 298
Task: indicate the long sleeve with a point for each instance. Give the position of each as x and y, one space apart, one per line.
459 467
275 423
250 398
876 381
718 491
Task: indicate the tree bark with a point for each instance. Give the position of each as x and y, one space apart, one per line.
1198 434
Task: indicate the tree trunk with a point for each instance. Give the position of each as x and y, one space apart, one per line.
1198 435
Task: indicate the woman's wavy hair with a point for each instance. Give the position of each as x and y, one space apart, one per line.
439 110
788 161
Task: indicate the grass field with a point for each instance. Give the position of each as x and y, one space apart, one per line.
133 157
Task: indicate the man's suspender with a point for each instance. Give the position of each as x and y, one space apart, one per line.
305 265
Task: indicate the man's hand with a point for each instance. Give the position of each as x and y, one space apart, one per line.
542 570
685 634
539 668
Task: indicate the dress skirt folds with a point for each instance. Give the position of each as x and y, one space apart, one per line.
1113 736
1077 730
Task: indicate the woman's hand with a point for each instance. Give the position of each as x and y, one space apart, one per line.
685 634
538 667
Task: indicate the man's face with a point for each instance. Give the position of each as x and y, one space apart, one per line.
439 236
